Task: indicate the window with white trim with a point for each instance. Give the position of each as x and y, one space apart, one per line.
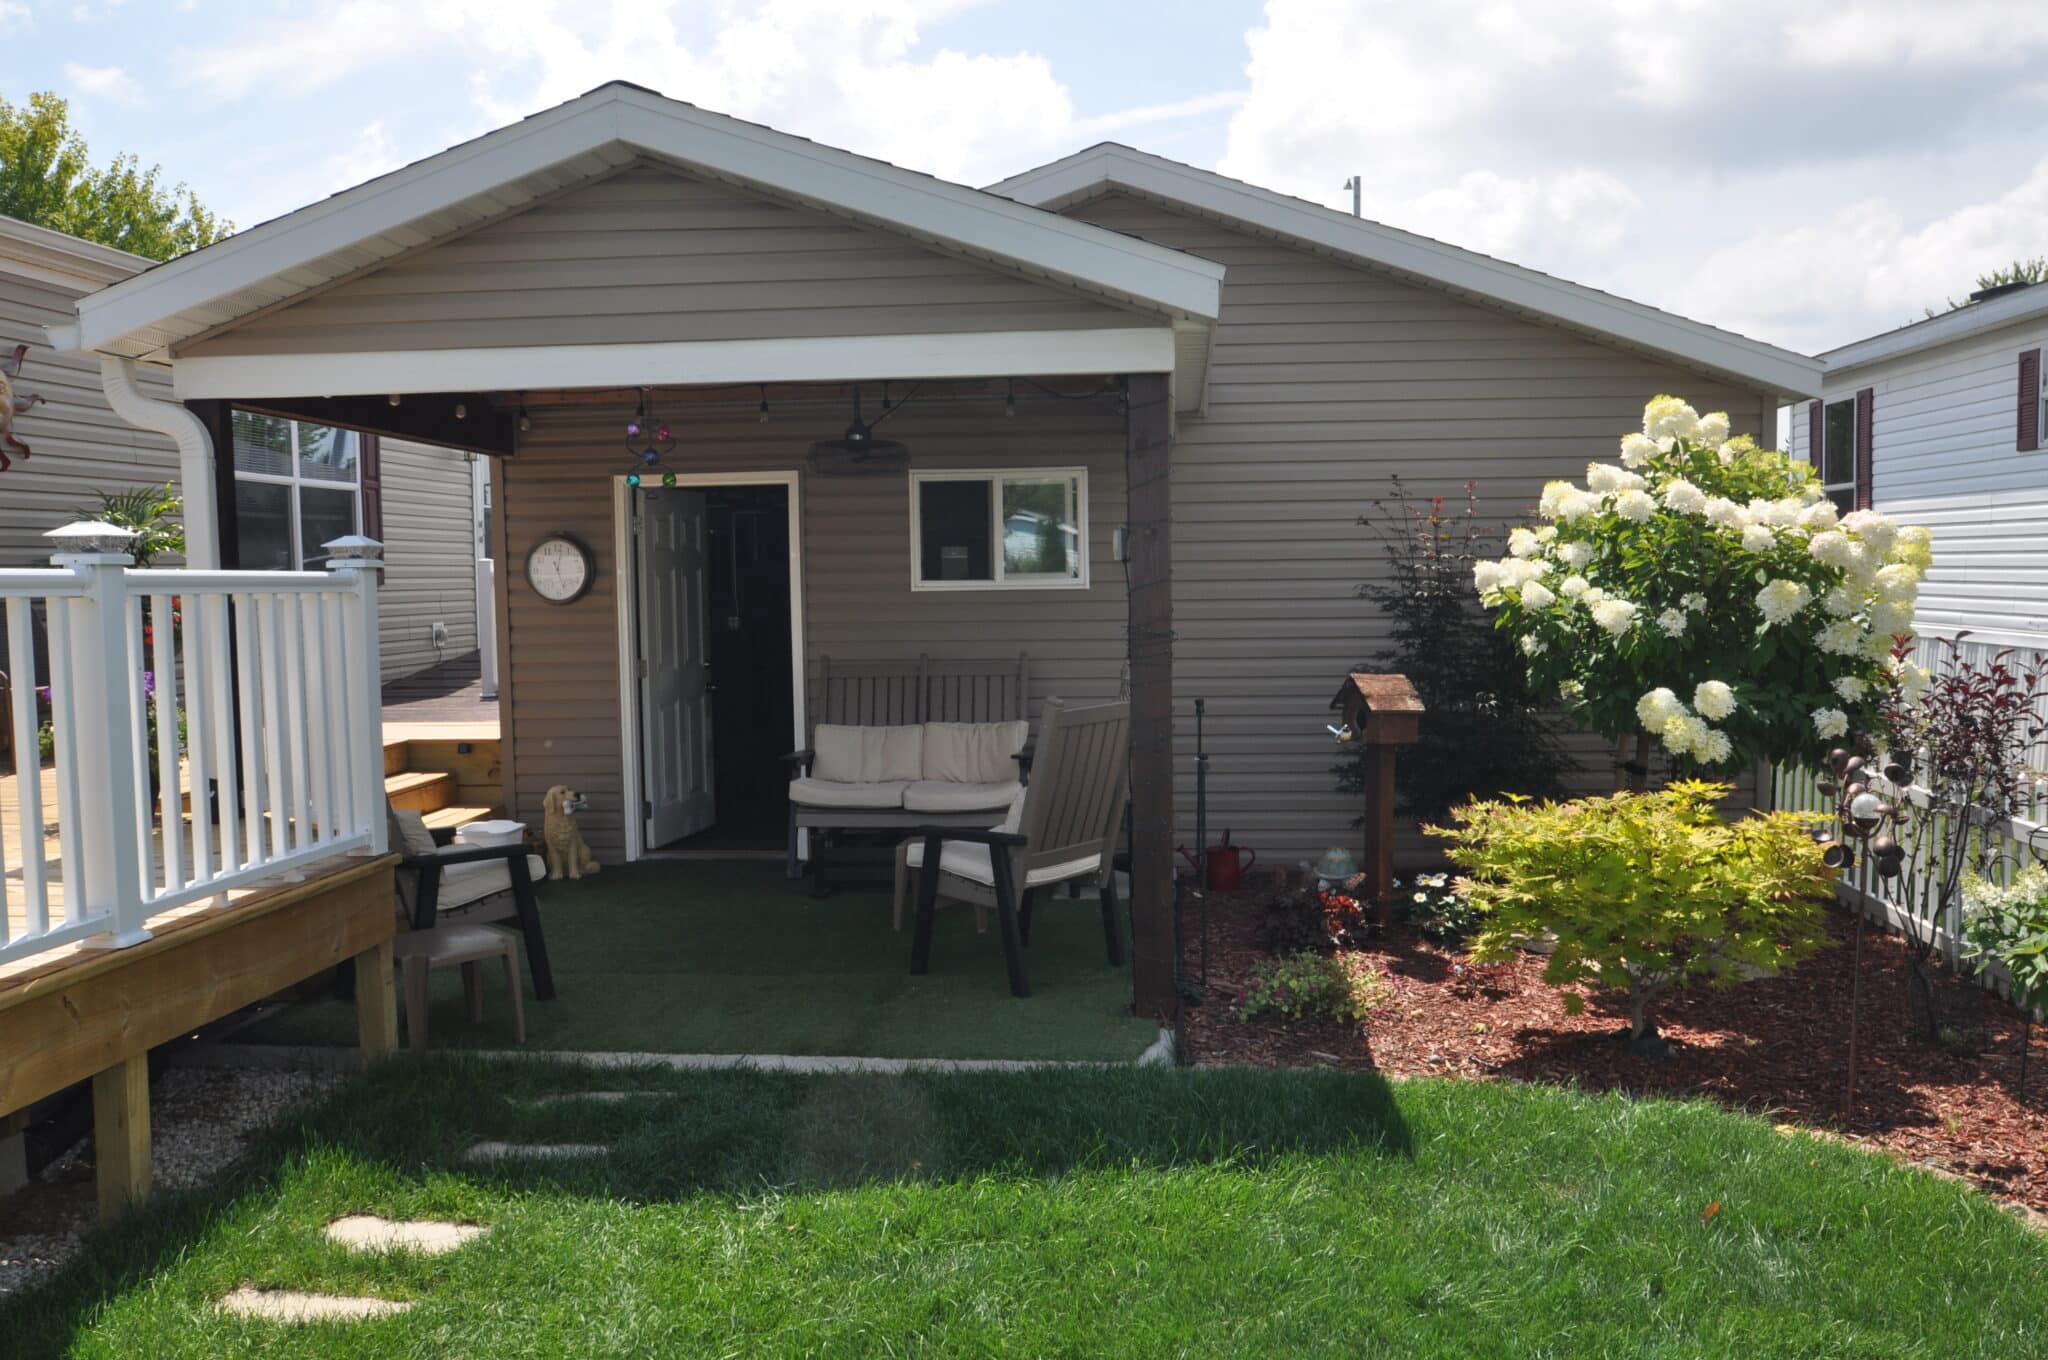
1014 529
297 485
1837 460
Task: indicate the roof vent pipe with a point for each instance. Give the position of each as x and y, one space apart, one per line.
195 455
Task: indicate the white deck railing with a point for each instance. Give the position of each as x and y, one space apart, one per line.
279 762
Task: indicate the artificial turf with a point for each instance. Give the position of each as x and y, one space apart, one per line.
729 956
1081 1212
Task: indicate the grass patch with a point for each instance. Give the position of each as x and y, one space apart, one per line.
1094 1212
728 956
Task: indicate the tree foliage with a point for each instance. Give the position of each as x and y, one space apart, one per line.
1484 732
153 512
2019 271
1641 892
47 177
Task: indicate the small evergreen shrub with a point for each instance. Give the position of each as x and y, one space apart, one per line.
1311 986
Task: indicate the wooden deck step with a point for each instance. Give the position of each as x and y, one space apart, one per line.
457 816
420 790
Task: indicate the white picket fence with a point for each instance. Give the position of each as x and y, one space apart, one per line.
276 675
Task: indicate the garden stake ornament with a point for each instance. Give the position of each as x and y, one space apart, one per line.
13 404
1860 813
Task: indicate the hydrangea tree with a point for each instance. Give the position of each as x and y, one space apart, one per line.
1705 591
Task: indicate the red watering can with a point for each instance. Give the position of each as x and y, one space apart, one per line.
1226 871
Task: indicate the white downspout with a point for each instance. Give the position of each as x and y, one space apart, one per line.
195 455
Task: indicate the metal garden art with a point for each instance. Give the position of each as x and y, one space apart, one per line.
13 403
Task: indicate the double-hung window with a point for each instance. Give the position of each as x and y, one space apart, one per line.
297 485
1837 454
1008 530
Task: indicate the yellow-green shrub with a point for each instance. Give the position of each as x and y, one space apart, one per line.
1645 892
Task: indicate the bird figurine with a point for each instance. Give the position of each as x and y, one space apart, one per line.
12 404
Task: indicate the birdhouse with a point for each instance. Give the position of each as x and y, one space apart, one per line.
1380 710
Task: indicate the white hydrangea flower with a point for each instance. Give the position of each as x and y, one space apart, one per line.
1536 595
1637 450
1781 600
1576 503
1714 699
1658 707
1573 587
1486 578
1726 513
1841 638
1830 722
1606 478
1840 602
1832 547
1891 618
1523 543
1546 533
1683 497
1635 505
1816 517
1898 581
1670 418
1575 554
1591 596
1693 602
1912 679
1758 538
1672 623
1873 527
1683 733
1616 616
1714 747
1850 688
1779 514
1531 644
1809 492
1713 428
1728 452
1553 497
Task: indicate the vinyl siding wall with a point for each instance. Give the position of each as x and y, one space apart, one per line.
1943 427
430 549
559 676
652 255
1328 379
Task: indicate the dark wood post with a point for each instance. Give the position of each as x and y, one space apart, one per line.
1147 453
1379 829
217 417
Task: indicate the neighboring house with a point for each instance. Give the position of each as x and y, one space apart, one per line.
295 485
1942 423
1140 422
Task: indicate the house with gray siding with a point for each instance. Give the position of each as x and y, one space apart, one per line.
1134 408
424 513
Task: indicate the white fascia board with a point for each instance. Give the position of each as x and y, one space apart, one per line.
857 358
1961 324
1111 166
54 257
1149 275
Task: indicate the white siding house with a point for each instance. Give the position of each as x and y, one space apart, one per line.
1948 415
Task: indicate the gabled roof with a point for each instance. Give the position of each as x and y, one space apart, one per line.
1111 167
1976 318
504 171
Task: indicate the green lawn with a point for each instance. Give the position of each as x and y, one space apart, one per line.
1098 1212
728 956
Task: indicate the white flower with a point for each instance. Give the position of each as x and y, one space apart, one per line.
1832 547
1888 619
1714 747
1728 452
1714 699
1779 514
1635 505
1523 543
1820 515
1606 477
1591 596
1553 497
1781 600
1841 638
1839 602
1873 527
1669 418
1672 622
1536 595
1830 722
1546 533
1683 733
1658 707
1616 616
1575 503
1486 578
1575 554
1899 581
1759 538
1916 536
1573 587
1850 688
1637 450
1693 602
1683 497
1913 680
1726 513
1531 644
1713 428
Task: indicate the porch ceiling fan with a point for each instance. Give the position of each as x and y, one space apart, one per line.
857 452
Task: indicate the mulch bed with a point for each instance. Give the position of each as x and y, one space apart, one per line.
1776 1047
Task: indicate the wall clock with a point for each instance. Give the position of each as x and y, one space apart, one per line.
560 568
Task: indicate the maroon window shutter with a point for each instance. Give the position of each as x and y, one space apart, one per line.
1866 406
370 467
1813 436
2030 401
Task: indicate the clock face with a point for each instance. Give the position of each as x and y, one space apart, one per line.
559 569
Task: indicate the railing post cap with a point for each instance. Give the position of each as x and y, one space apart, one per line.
353 550
93 539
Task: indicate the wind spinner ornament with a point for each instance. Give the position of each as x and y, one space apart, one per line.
12 404
649 440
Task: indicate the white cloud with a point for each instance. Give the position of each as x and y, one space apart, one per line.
369 156
110 83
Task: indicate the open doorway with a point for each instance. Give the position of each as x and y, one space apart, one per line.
716 646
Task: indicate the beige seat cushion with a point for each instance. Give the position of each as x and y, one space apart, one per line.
971 862
938 795
845 754
815 792
973 753
462 884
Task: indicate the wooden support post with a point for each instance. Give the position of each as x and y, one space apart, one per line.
13 1152
1147 453
1379 829
376 1002
120 1134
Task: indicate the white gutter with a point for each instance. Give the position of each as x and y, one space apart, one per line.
195 455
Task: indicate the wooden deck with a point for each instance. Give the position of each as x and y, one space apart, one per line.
451 692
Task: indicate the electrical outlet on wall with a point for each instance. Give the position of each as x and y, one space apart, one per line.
439 632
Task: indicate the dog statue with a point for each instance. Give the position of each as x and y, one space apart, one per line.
568 856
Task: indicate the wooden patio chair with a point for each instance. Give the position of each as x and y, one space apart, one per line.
1062 829
472 884
452 944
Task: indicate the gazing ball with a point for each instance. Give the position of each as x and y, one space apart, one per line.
632 429
662 433
632 479
668 479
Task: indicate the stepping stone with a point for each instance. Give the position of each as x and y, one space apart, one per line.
367 1232
284 1305
499 1152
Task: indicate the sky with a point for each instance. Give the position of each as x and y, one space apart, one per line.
1805 173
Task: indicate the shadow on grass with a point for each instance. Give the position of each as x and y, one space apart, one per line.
739 1133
